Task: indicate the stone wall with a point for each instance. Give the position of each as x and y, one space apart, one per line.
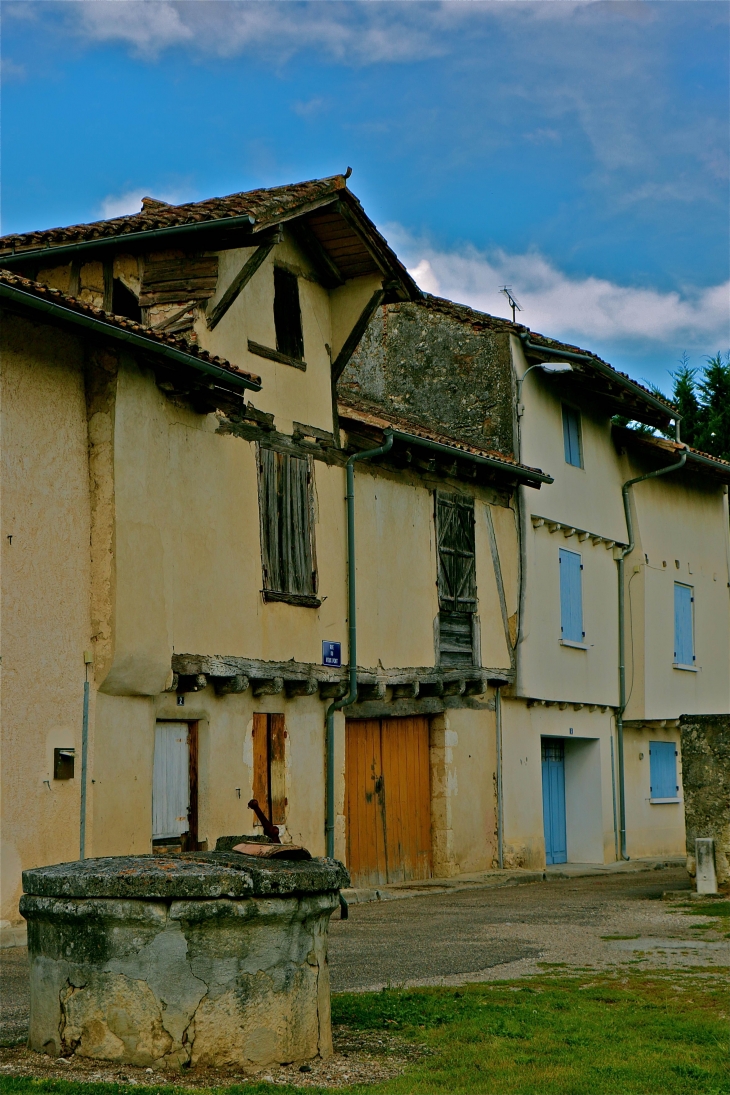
706 779
440 365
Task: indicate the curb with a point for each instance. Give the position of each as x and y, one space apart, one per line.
488 880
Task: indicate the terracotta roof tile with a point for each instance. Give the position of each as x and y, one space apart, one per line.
177 342
262 205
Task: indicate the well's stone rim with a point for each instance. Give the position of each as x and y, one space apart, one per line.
186 875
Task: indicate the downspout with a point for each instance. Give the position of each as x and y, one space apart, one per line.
351 696
621 640
500 812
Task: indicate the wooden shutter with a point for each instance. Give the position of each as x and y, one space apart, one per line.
287 314
287 550
683 629
170 781
571 436
571 596
277 768
663 769
261 786
456 553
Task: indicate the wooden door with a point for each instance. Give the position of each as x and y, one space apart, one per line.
553 800
175 784
388 800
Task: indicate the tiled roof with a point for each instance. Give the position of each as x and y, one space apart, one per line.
177 342
673 447
371 415
263 206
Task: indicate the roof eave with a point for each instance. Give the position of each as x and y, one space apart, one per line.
226 378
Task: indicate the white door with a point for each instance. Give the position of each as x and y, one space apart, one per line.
170 780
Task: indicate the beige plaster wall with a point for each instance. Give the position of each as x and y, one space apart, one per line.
652 829
522 730
45 593
681 522
473 788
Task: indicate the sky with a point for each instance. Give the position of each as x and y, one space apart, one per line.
577 152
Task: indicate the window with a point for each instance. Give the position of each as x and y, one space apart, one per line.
571 597
287 314
571 436
683 625
269 770
124 302
663 771
287 541
456 578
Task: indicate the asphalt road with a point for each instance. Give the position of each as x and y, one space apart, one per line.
512 931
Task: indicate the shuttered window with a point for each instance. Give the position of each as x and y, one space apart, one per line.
287 314
571 596
287 543
663 769
269 765
683 625
571 436
457 587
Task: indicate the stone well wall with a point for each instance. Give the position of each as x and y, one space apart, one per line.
205 959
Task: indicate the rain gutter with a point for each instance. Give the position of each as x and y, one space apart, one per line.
485 461
108 330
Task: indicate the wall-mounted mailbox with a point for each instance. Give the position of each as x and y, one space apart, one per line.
63 763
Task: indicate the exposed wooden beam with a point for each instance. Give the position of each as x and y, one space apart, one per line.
241 279
352 340
329 274
275 355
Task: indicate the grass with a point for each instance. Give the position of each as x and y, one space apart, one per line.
598 1034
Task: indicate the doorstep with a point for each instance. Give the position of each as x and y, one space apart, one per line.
491 879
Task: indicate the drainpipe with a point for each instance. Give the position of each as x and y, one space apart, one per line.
500 814
621 642
351 696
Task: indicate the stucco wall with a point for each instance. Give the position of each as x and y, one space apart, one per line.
652 829
45 593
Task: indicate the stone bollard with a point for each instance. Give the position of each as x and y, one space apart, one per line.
204 958
705 865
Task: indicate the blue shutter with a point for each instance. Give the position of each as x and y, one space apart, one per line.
571 596
663 769
571 436
683 637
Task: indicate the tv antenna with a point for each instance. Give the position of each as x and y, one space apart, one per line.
506 291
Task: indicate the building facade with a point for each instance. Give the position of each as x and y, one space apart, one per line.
181 392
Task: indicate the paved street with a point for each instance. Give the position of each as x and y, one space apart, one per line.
486 934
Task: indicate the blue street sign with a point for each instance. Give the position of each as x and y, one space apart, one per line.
331 653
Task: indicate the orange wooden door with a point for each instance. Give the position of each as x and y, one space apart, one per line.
387 800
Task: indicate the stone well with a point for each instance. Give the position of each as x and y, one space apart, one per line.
207 958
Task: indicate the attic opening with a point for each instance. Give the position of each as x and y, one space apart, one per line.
287 314
124 302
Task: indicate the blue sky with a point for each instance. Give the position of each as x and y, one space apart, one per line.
577 151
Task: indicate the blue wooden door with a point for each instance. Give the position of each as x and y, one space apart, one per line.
553 800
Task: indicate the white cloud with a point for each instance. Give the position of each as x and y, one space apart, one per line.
584 310
121 205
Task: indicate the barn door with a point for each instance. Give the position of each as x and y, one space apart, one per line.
174 785
388 800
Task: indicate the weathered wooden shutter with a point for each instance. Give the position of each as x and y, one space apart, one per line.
456 578
170 781
456 553
571 596
261 789
683 629
571 436
287 314
277 768
663 769
286 523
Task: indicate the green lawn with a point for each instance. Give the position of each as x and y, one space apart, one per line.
592 1034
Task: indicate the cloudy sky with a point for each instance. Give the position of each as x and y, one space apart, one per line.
576 151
